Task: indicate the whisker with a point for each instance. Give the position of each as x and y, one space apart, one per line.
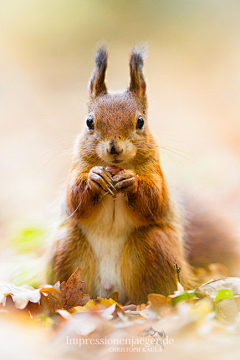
177 141
73 211
64 153
174 152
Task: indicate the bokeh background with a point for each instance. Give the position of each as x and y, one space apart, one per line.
193 74
46 59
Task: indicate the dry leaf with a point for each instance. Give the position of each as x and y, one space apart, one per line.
227 310
112 311
51 299
114 296
96 305
72 291
64 313
156 301
211 288
21 295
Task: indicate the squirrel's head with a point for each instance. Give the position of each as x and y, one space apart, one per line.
116 125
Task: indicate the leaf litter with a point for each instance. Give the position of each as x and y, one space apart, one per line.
209 312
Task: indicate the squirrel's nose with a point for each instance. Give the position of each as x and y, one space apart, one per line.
114 151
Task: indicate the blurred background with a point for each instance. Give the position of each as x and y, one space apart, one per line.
193 75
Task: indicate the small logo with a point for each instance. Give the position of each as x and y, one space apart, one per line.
158 336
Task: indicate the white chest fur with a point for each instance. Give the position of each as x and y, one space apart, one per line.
107 236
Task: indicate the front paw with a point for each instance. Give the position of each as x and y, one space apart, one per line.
100 180
126 181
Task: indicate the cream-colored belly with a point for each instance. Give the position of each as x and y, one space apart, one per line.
107 236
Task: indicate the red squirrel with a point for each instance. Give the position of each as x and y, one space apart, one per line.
122 227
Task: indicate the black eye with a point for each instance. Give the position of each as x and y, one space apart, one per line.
140 123
89 123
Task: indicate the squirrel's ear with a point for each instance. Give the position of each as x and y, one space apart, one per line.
97 82
137 81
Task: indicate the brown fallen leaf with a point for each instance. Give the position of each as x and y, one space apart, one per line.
114 296
72 291
156 301
51 299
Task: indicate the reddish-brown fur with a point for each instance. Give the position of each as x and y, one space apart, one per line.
156 243
147 263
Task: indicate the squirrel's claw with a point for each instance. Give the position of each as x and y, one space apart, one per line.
110 191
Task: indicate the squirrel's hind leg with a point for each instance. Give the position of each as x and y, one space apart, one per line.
70 251
147 263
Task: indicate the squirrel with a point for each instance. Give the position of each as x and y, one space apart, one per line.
122 227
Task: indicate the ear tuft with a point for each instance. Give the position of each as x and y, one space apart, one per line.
97 82
101 57
137 57
137 81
